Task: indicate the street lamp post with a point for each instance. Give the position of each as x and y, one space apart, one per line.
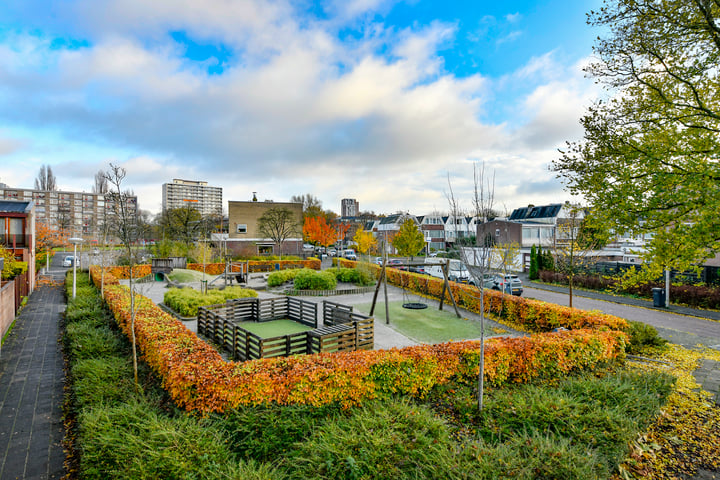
75 241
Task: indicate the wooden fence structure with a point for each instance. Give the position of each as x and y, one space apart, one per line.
343 330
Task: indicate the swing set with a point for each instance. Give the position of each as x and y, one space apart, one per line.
407 300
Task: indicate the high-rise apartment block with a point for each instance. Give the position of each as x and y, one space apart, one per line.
189 193
349 207
77 213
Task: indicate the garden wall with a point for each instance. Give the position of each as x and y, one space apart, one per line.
7 306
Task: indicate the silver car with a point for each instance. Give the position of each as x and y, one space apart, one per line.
507 283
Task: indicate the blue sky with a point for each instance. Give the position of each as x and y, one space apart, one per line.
368 99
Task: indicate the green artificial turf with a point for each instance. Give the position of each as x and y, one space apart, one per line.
429 325
274 328
182 275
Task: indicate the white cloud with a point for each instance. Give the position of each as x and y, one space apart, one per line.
295 110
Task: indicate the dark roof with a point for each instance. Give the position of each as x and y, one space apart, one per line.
11 206
532 213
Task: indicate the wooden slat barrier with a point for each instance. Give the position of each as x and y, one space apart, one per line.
302 311
336 338
343 330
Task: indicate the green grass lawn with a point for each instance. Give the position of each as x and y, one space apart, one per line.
274 328
182 275
429 325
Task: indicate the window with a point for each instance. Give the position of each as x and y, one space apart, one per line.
242 228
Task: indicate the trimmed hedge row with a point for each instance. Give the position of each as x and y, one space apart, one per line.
518 312
197 378
186 301
140 271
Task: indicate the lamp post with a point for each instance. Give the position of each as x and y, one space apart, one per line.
75 241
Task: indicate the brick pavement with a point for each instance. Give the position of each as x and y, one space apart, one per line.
31 391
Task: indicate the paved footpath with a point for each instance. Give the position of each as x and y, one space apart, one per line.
689 327
31 391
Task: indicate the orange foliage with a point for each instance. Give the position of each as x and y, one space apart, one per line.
316 230
47 237
197 378
123 272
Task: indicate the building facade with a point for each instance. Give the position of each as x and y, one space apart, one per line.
17 234
190 193
244 235
349 207
78 214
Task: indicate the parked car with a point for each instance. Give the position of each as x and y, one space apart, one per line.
507 283
379 260
394 262
332 252
457 272
350 254
68 261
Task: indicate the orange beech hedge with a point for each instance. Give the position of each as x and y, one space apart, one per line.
257 265
522 313
123 272
218 268
198 379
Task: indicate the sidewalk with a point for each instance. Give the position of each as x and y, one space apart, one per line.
708 372
31 391
635 302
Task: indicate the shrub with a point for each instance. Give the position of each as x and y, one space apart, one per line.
359 276
102 381
643 338
307 279
279 277
395 440
85 340
185 301
264 431
134 441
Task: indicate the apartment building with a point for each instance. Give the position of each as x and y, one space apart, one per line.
349 207
190 193
77 213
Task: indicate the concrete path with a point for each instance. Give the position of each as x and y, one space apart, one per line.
31 389
689 327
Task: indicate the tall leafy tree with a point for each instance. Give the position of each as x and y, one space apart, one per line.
184 224
317 231
409 240
364 240
45 179
650 158
278 224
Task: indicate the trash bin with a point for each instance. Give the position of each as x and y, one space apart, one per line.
277 266
658 297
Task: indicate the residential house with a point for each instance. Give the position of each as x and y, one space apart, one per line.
17 234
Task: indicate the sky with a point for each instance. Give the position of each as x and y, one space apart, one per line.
392 103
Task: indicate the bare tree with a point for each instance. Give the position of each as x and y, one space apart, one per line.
477 259
124 222
45 179
101 183
279 224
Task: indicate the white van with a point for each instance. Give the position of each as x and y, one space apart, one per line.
456 273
